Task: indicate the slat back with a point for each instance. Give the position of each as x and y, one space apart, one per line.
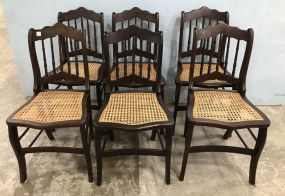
135 16
137 72
93 25
47 56
233 44
140 18
199 18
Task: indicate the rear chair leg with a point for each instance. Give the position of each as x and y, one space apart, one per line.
260 142
168 155
16 145
99 95
177 95
153 135
49 134
189 133
228 134
162 92
86 149
98 148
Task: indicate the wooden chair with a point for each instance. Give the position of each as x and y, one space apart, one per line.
93 24
200 18
133 111
226 109
140 18
50 109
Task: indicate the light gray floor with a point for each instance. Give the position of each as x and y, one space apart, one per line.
65 174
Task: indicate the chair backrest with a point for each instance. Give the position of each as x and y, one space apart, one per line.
234 44
47 56
145 66
92 23
135 16
199 18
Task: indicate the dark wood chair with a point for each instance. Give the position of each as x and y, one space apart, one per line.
93 24
226 109
140 18
133 111
200 18
54 108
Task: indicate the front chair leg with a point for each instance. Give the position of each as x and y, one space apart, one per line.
98 148
16 145
260 142
86 149
189 133
228 134
168 155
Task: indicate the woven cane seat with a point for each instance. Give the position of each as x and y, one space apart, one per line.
134 108
51 107
93 69
144 71
223 106
184 76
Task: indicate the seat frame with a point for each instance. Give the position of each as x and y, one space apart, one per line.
239 83
40 82
101 128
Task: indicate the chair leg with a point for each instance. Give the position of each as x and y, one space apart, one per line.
16 145
177 95
168 155
260 142
49 134
99 95
153 135
86 149
228 134
98 148
111 133
162 92
69 87
188 139
116 88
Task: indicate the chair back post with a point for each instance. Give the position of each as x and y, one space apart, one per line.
193 61
246 60
34 61
107 67
159 62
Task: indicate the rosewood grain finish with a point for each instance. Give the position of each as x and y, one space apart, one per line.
50 109
142 105
199 18
226 109
93 25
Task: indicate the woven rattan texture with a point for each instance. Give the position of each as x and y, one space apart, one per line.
223 106
93 69
186 69
133 109
144 71
52 106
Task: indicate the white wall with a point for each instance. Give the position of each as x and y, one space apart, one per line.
265 83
